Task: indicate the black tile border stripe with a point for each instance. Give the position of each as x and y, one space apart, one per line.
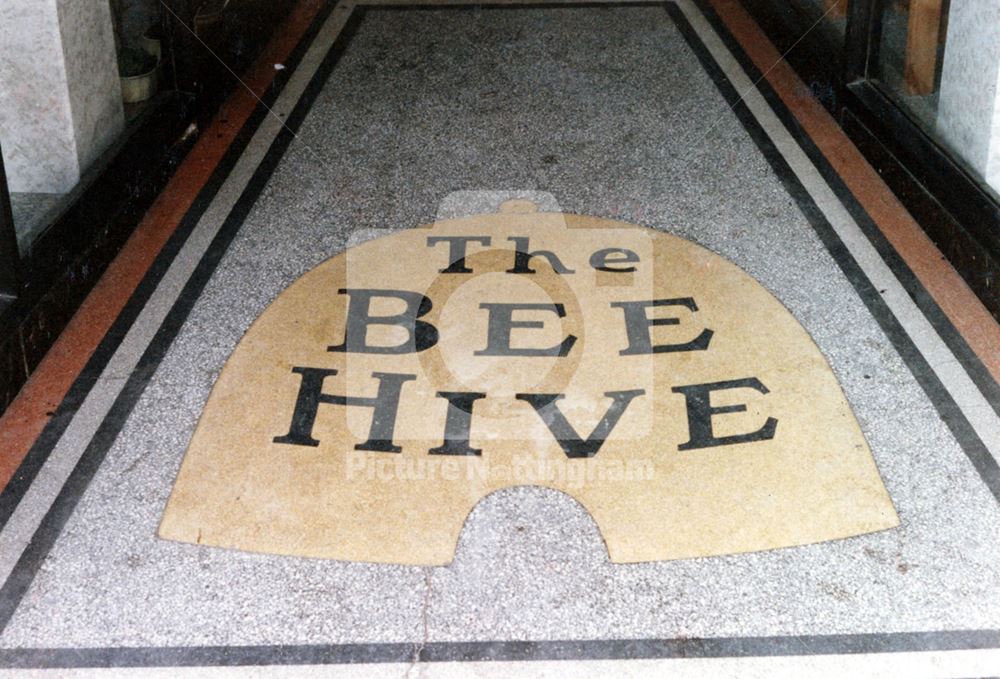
950 412
53 430
490 651
93 455
950 335
44 538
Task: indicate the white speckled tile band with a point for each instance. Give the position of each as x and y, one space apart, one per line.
88 418
971 401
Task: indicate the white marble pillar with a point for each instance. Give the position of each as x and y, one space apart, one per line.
60 97
969 108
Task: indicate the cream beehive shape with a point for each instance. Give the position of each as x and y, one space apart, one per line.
391 388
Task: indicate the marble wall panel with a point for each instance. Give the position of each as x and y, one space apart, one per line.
969 108
60 100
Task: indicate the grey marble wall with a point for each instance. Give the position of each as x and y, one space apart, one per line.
969 108
60 98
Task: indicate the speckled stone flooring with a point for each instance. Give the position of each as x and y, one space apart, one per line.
606 112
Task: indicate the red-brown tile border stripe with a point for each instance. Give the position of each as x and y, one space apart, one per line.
939 278
27 415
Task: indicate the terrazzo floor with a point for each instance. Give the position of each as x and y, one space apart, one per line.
603 111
